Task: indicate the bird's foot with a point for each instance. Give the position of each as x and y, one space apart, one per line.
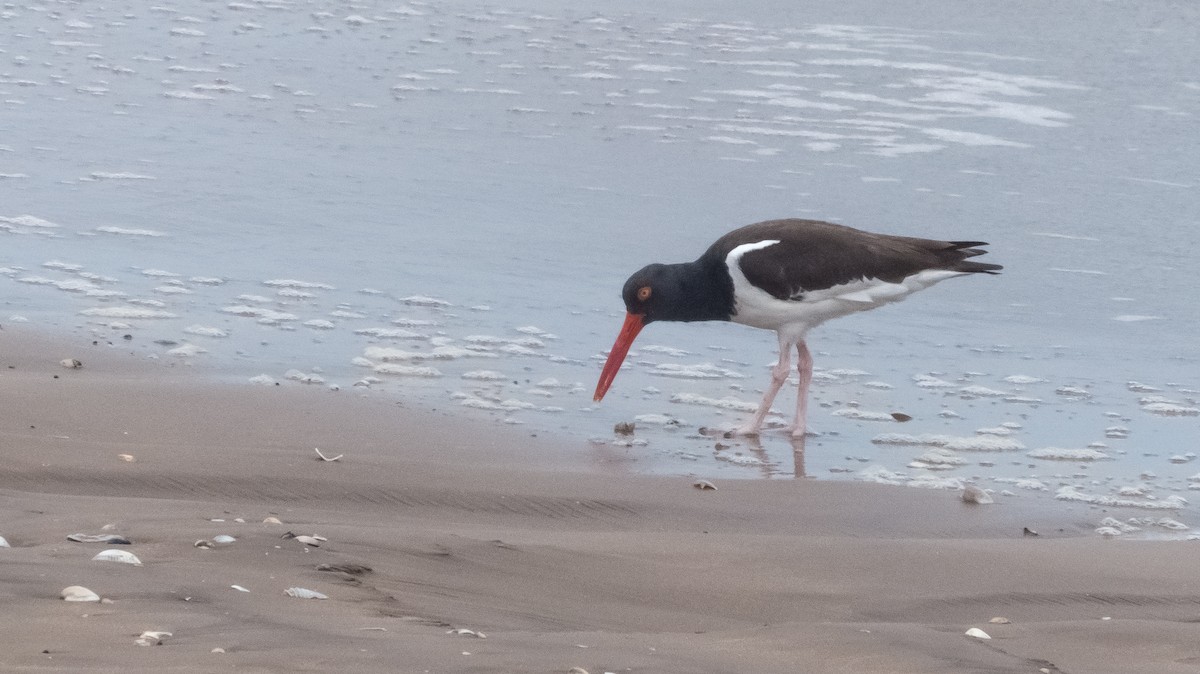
747 431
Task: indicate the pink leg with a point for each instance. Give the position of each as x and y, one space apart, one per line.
804 367
779 374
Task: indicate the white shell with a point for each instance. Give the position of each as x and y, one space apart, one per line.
78 593
703 485
122 556
128 458
272 520
327 458
973 494
464 632
223 539
4 543
239 588
151 638
977 633
998 620
71 363
304 593
314 541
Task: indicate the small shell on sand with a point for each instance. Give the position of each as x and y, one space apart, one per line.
70 363
577 670
322 457
203 544
977 633
223 539
464 632
973 494
239 588
272 520
128 458
703 485
123 556
314 540
998 620
304 593
111 539
78 593
151 638
4 543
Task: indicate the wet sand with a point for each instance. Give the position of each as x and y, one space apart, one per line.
558 553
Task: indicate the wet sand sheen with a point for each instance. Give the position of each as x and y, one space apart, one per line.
561 558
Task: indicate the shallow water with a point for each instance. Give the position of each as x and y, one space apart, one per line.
293 186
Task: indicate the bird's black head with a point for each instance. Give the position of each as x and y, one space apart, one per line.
678 292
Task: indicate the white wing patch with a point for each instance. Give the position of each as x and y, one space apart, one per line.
756 307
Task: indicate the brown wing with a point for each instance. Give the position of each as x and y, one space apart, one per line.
813 255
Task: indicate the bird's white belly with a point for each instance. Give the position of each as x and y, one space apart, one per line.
758 308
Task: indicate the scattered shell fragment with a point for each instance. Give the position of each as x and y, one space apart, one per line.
223 539
151 638
71 363
1029 532
239 588
123 556
322 457
304 593
577 670
998 620
78 593
345 567
624 428
703 485
128 458
977 633
4 543
218 650
901 416
313 541
271 520
111 539
464 632
973 494
203 544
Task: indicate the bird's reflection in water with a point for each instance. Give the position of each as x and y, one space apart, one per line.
753 445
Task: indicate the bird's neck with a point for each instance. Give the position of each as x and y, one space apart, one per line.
698 291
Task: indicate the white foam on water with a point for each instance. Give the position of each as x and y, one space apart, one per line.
293 283
205 331
126 312
485 375
1023 379
695 371
727 403
1061 454
424 301
187 351
124 231
861 415
407 370
386 333
1073 493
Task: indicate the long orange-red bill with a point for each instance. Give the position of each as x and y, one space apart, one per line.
633 325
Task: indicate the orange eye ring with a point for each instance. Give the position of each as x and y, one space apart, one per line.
643 293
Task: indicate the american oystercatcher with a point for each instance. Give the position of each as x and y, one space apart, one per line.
788 276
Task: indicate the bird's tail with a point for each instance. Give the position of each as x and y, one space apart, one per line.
961 250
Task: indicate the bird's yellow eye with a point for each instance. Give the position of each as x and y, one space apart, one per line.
643 293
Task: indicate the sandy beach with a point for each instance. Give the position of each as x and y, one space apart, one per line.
559 555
